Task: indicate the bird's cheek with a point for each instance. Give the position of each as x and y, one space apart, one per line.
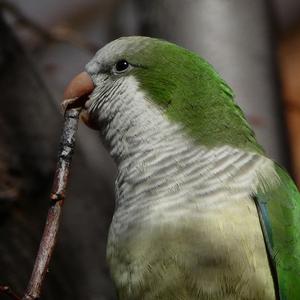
88 115
89 120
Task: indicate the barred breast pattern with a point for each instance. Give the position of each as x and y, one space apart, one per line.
163 174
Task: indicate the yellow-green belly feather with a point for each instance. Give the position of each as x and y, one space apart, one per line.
219 255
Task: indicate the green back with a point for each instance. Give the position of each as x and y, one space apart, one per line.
279 209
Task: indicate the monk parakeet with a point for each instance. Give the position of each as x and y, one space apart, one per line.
201 212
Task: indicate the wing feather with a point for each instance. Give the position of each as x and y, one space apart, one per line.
279 211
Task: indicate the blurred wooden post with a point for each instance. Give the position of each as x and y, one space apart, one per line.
289 57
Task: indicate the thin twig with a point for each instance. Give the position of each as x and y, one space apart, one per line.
57 197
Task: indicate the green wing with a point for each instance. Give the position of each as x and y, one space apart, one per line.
279 210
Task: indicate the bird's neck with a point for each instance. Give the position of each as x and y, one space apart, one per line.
136 126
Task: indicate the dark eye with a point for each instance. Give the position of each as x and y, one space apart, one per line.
122 65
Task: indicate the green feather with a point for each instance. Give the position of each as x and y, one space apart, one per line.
279 208
192 93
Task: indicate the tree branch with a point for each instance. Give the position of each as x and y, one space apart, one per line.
57 197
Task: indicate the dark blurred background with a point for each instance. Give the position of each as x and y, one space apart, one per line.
255 45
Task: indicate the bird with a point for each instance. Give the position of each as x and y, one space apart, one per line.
201 212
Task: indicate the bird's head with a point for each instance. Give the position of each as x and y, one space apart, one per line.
152 64
132 76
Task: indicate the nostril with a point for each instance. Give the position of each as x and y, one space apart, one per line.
93 67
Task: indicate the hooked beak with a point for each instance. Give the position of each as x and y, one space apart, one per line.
77 91
76 95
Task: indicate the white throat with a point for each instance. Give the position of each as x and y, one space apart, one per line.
135 123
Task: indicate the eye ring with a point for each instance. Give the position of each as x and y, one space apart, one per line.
121 66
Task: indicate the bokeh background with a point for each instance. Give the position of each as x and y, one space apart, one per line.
255 45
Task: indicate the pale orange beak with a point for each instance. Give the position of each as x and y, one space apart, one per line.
77 93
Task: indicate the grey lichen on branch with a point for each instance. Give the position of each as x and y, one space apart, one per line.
57 197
